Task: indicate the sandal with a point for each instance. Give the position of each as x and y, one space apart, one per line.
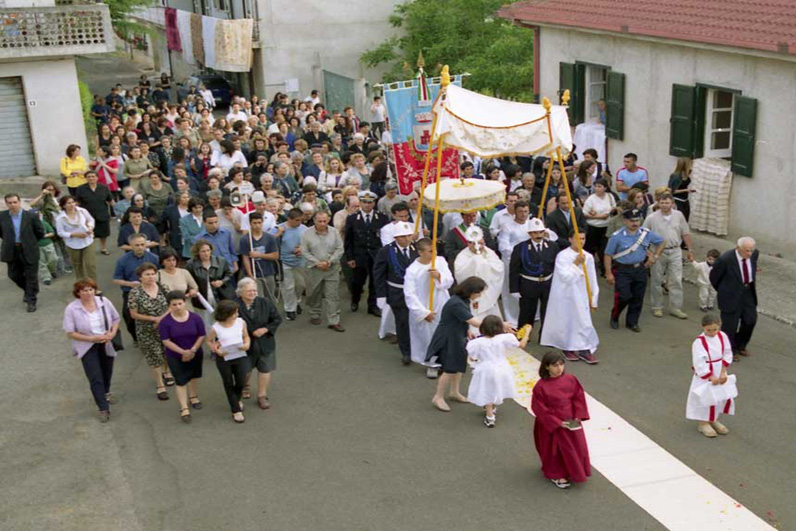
168 381
187 417
560 483
246 394
237 420
262 401
197 404
162 395
105 252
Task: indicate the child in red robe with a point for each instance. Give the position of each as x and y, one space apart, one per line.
559 404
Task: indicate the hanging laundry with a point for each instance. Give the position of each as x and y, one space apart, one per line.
197 42
172 33
209 38
184 28
234 45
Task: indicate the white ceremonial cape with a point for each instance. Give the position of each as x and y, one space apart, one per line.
489 267
707 359
567 323
417 285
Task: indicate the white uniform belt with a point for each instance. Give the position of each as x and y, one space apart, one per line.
537 279
394 285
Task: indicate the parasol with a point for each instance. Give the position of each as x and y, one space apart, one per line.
465 195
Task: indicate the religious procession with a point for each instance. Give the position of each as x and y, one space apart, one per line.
480 249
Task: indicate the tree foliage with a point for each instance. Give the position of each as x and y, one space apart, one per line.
121 10
467 36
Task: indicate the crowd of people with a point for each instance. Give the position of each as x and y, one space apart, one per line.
228 225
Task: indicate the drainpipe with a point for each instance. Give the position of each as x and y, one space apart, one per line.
536 69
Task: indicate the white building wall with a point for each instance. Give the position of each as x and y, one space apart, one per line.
651 69
301 38
55 116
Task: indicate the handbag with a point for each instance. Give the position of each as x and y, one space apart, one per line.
117 343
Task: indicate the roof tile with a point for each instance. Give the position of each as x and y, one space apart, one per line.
768 25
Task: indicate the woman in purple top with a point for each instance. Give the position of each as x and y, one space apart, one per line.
91 323
182 332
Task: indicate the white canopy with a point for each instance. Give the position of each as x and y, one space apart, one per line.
490 127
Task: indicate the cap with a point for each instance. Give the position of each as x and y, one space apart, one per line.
535 225
402 228
633 213
391 186
258 197
474 234
367 195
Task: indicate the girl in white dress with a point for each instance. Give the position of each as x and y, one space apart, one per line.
493 378
711 355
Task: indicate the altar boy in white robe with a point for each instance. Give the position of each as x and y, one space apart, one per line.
711 354
478 260
423 320
567 323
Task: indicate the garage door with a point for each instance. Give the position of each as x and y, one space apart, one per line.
16 149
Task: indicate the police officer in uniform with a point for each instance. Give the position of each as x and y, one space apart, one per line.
361 244
391 263
634 249
531 273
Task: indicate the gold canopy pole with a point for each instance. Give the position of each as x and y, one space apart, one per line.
444 82
548 108
424 181
574 219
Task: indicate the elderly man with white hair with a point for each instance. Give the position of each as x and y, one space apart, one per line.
734 278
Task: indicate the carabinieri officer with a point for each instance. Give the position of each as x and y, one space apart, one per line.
634 249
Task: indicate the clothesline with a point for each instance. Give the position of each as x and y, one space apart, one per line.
215 43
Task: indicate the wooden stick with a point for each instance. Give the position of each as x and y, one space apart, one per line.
542 206
574 222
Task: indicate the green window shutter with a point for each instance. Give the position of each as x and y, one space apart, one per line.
743 135
573 77
682 139
615 106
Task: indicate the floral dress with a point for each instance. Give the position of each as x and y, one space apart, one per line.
148 336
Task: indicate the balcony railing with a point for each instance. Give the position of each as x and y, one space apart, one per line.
53 31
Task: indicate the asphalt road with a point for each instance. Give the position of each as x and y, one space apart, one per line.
352 441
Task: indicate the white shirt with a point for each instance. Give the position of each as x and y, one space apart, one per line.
599 207
269 221
65 227
377 113
226 162
234 117
749 268
498 220
96 322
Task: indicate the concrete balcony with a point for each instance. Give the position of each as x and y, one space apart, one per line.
66 29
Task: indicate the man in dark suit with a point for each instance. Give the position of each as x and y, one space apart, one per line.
21 231
389 270
531 273
361 243
560 219
733 277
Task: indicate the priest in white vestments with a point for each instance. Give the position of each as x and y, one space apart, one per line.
478 260
423 320
568 325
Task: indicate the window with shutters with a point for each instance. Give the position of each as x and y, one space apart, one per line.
596 84
713 122
718 123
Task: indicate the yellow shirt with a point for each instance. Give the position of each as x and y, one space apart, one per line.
69 165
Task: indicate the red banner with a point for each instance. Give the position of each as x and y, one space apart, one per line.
409 165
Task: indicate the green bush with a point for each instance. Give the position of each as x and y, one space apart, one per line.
86 101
